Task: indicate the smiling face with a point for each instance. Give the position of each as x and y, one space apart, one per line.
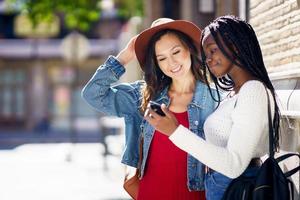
173 57
218 64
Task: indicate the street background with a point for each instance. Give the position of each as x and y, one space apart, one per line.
52 144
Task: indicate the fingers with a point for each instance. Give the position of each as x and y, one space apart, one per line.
134 39
164 124
154 114
149 117
152 117
151 114
165 110
131 43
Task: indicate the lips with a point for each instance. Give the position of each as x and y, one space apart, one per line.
214 66
177 69
211 68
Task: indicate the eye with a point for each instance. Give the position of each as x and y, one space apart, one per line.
161 59
212 51
176 52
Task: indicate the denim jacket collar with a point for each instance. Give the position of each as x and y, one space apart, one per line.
198 98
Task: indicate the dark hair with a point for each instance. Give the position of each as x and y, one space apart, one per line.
155 79
238 42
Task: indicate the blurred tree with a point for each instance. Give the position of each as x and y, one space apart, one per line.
129 8
78 14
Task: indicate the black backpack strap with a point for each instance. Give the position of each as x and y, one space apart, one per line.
292 171
291 186
285 156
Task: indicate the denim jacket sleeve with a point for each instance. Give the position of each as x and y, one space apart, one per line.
119 100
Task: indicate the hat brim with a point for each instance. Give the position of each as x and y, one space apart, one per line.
142 41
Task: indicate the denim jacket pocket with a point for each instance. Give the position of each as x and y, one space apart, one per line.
218 180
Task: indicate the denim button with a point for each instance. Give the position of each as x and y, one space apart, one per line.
196 123
194 165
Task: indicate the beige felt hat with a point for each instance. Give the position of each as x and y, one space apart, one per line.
186 27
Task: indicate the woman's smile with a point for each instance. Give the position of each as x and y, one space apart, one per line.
177 69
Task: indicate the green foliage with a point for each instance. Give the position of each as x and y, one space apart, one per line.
129 8
78 14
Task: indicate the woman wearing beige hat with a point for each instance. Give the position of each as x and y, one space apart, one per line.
168 55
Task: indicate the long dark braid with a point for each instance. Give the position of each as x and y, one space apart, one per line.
238 42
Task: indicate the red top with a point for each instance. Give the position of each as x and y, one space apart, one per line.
166 170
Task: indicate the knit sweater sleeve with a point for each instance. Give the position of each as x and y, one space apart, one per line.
249 119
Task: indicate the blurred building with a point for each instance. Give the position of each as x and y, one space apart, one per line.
201 12
39 84
277 25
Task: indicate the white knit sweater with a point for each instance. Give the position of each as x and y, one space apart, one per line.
235 133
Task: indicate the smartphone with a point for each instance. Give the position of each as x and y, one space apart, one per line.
156 107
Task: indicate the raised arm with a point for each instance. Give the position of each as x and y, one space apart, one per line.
121 99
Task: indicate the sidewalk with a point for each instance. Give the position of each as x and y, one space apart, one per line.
9 140
62 171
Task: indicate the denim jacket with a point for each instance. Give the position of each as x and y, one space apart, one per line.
124 100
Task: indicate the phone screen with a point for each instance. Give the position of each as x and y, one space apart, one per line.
156 107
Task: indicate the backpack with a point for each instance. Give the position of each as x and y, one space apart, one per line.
272 183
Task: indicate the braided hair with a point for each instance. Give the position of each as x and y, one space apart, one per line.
236 36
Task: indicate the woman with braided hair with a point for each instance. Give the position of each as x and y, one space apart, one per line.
237 131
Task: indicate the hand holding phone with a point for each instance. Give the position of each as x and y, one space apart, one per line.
156 107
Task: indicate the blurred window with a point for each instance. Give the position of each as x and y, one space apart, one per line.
12 96
66 98
6 25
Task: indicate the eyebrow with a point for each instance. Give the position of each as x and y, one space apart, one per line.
170 49
209 44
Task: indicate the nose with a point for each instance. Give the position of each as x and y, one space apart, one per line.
172 61
208 60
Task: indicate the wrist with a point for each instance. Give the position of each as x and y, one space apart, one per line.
172 130
123 58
